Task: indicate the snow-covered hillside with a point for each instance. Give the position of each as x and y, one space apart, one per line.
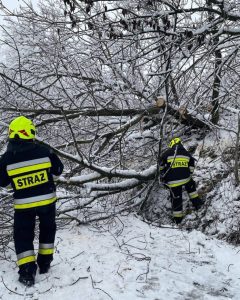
129 260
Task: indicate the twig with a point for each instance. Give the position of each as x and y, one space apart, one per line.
77 255
96 288
229 267
236 164
145 273
137 257
44 291
85 277
12 290
170 270
118 271
151 236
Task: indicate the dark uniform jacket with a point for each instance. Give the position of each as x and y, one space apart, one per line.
176 166
29 168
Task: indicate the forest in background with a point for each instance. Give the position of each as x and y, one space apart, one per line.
108 83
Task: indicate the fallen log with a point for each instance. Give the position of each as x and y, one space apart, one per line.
180 113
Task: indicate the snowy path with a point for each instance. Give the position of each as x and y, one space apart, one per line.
134 261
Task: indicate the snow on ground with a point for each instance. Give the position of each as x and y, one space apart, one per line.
129 260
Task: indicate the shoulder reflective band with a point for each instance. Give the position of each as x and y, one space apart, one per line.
30 180
35 201
177 182
25 257
28 166
46 249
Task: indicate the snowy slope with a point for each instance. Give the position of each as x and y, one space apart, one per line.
129 260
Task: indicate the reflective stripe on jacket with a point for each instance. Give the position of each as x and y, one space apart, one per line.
29 168
176 166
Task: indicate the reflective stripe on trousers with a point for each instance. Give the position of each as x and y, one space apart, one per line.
175 183
178 214
46 249
25 257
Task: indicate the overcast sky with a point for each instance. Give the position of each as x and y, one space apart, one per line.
13 4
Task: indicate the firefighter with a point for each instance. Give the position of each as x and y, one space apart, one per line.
176 169
29 168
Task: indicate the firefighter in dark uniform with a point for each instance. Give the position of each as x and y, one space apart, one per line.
176 169
29 168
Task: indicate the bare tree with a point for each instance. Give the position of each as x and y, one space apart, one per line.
89 73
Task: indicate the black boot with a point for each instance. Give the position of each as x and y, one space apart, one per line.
27 279
27 274
44 269
44 262
177 220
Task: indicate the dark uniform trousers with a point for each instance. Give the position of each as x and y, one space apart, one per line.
176 196
24 226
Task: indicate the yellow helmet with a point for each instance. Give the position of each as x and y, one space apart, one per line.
174 141
23 128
